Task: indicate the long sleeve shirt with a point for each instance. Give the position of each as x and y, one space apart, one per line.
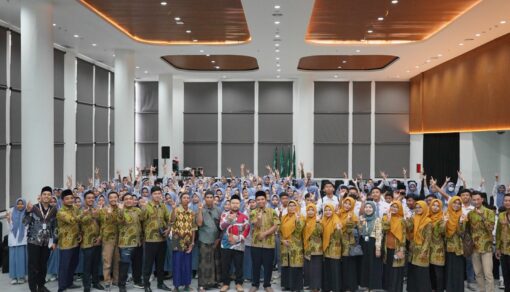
41 225
481 227
235 230
68 227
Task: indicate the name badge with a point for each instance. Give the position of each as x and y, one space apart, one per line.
44 226
367 238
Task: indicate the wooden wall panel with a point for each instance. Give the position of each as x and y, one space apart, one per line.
468 93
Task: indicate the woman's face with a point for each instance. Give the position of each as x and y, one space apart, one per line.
418 210
347 205
394 209
292 207
328 212
457 205
369 210
310 212
100 202
19 205
274 201
435 207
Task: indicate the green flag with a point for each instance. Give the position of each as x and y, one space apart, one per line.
289 162
275 158
282 162
294 162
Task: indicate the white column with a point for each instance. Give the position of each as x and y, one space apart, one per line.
70 115
36 97
372 130
468 159
416 155
177 147
302 130
124 111
165 118
350 131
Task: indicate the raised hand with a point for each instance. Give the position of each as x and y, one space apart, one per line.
29 206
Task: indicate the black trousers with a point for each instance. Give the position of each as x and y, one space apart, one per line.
154 251
437 278
262 257
229 256
505 267
91 258
37 265
136 264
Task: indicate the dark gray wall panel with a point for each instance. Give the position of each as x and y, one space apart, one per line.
101 158
275 128
84 123
101 125
3 168
275 97
58 166
112 162
391 128
101 87
58 120
84 160
361 159
232 155
146 97
392 97
266 155
361 93
15 178
15 111
237 128
3 62
112 89
200 97
238 97
15 60
331 128
330 160
112 120
84 80
202 155
146 127
361 128
145 153
200 127
58 73
331 97
3 118
391 158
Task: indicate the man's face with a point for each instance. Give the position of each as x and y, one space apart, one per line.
376 194
68 200
185 200
128 201
284 200
411 203
329 189
506 202
45 197
113 198
465 197
234 205
477 200
157 196
261 201
209 200
89 200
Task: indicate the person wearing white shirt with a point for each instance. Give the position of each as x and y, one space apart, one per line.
330 197
380 203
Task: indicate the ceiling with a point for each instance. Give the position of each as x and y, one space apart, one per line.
212 62
346 62
277 47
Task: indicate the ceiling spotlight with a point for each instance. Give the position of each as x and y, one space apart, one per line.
146 72
277 6
177 18
217 67
276 45
277 58
439 55
277 36
428 61
370 31
461 44
54 24
277 76
394 1
339 67
213 61
277 65
201 51
94 45
113 55
357 51
417 67
502 21
380 18
279 70
207 55
195 40
163 3
224 76
477 35
336 76
408 71
344 61
277 51
276 22
188 31
137 67
398 76
76 36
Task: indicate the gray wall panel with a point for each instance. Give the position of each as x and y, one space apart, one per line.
101 125
330 160
361 128
15 178
146 127
200 97
3 118
3 168
84 123
101 86
392 97
238 97
202 155
275 128
84 80
275 97
200 127
15 60
361 159
112 120
391 158
3 60
58 165
237 128
112 161
145 153
58 122
362 92
58 73
15 111
266 155
331 97
146 97
84 160
233 155
331 128
391 128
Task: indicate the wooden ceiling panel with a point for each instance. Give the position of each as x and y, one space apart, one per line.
348 21
345 62
212 62
218 22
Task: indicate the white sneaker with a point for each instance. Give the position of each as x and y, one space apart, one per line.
21 281
501 284
14 281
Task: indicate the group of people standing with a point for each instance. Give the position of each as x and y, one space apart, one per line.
356 235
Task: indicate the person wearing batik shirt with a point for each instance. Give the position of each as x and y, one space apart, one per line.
236 227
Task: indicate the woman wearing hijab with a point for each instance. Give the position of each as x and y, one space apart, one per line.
454 250
349 222
371 239
17 243
332 250
394 228
421 227
437 245
312 241
291 248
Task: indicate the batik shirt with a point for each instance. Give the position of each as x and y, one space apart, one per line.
237 229
420 254
481 227
155 218
293 255
35 222
503 233
183 228
437 244
109 225
315 242
89 226
269 219
129 222
68 227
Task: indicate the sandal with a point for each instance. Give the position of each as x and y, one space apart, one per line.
224 288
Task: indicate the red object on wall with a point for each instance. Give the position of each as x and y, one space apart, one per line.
418 167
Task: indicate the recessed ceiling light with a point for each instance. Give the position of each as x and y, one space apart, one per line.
201 51
277 50
277 65
163 3
357 51
113 55
277 58
477 35
76 36
177 18
398 76
344 61
279 70
461 44
94 45
213 61
137 67
339 67
336 76
195 40
408 71
217 67
208 55
54 24
224 76
179 22
502 21
417 67
146 72
277 76
277 36
276 22
428 61
188 31
277 6
276 45
370 31
380 18
439 55
394 1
